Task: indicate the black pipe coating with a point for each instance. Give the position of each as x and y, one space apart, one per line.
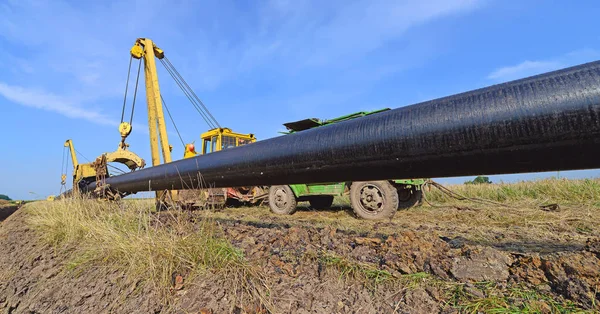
541 123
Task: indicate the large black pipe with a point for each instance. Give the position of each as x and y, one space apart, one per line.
546 122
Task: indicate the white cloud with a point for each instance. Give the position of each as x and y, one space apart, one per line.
79 50
529 68
523 69
362 27
339 32
50 102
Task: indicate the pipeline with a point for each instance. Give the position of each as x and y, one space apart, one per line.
542 123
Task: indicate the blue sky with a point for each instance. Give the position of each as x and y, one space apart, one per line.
257 65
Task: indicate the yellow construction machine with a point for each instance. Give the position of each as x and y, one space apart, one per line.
85 173
213 141
216 139
82 173
222 138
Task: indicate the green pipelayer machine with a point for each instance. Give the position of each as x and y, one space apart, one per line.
369 199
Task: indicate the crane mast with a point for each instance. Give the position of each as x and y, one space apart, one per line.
146 49
69 144
159 142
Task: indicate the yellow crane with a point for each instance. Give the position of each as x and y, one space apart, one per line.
217 138
84 173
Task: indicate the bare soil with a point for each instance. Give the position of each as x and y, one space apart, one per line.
7 209
315 266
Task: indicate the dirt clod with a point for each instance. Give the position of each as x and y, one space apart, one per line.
481 264
593 245
178 283
367 241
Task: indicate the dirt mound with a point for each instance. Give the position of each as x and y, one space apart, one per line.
307 270
7 209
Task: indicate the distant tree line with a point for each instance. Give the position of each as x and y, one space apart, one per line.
5 197
480 180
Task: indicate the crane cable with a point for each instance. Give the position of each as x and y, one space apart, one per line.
190 94
116 168
172 121
192 91
64 167
121 171
134 92
137 80
126 88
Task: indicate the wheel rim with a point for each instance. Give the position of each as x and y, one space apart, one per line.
404 195
372 200
281 198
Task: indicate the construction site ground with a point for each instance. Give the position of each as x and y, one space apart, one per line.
455 258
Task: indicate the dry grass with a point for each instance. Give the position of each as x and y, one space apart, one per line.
519 220
519 214
513 299
585 192
130 238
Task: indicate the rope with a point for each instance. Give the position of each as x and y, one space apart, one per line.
135 92
172 121
126 88
193 93
456 195
189 96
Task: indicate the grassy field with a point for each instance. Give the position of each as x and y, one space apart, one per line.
129 238
584 192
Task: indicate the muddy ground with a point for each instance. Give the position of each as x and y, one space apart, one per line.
309 267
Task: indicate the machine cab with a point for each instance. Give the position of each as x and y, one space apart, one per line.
223 138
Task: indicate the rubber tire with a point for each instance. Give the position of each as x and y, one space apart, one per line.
388 193
321 202
289 206
414 199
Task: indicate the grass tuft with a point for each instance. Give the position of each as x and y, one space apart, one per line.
369 274
515 299
146 246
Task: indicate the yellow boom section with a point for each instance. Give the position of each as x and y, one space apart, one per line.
69 144
80 171
146 49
